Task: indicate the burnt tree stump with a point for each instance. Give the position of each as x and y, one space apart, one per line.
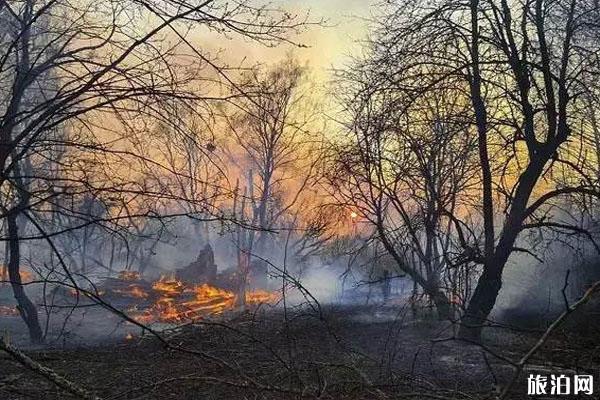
203 270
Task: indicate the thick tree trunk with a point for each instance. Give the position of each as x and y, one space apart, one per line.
490 282
481 304
442 305
25 306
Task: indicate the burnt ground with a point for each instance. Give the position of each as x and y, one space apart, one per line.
344 352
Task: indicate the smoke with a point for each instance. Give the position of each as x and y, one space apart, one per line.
322 282
534 291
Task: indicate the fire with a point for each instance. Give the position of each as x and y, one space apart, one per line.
206 292
129 275
212 299
170 300
168 286
178 303
174 302
261 296
132 290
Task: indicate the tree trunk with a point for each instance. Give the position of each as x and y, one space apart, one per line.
243 269
490 282
481 305
25 306
442 304
489 285
413 300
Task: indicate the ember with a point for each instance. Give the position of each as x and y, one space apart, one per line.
168 286
261 296
173 301
129 275
132 291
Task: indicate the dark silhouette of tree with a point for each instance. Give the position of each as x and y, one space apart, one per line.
406 171
528 69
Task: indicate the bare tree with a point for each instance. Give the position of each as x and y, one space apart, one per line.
279 149
528 68
83 83
406 171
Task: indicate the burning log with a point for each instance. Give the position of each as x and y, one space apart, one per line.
126 289
172 300
190 294
168 286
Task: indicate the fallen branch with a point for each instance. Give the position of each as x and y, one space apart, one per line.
46 372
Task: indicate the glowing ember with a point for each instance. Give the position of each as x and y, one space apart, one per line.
132 291
168 286
129 275
261 296
170 300
177 303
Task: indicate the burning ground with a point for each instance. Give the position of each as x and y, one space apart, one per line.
170 300
169 338
164 302
328 352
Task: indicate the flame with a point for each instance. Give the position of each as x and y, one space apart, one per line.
171 301
132 291
168 286
178 303
261 296
129 275
211 299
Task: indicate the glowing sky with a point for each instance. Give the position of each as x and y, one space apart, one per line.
345 25
328 46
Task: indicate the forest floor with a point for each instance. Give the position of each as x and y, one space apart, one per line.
338 352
